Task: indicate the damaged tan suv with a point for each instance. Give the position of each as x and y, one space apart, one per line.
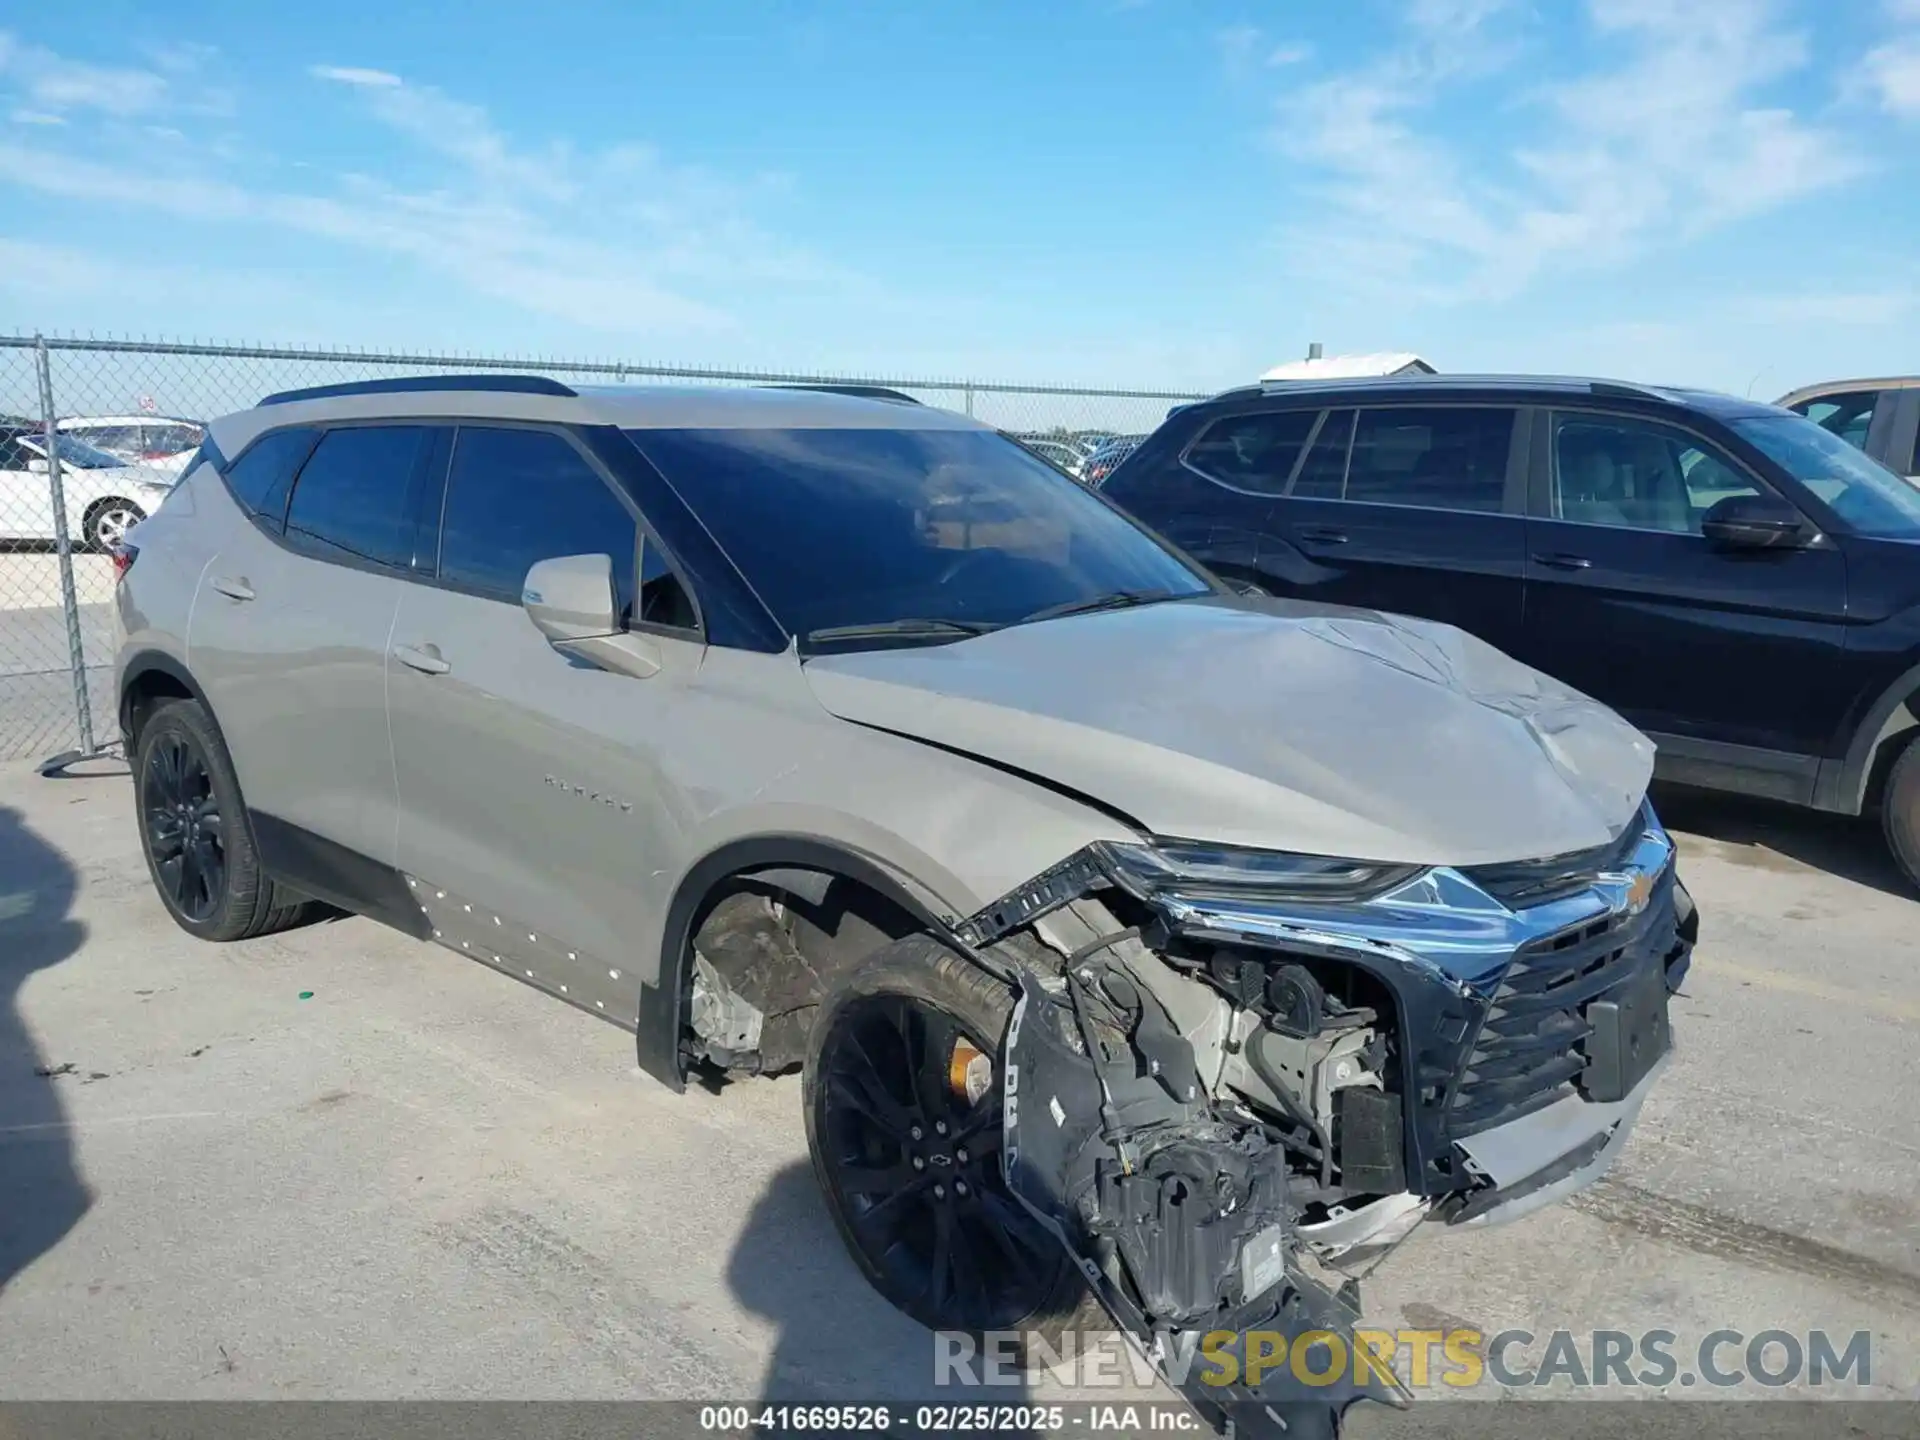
1136 936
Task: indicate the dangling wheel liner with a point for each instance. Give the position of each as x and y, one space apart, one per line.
1120 1142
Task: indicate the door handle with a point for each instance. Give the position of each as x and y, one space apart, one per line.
1323 534
235 588
1560 560
424 658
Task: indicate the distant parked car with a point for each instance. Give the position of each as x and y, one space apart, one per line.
1732 577
1106 459
105 496
1059 453
1881 417
163 442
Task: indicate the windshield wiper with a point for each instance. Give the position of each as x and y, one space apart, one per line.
1115 600
910 627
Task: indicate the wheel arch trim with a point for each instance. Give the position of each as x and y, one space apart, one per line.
660 1010
1842 783
151 662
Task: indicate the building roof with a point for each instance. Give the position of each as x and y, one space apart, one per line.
1348 367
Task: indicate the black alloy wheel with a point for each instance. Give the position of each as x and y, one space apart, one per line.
186 833
907 1130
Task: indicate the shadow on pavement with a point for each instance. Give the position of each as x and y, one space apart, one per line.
838 1341
41 1194
1769 835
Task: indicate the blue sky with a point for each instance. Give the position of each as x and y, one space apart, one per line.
1152 192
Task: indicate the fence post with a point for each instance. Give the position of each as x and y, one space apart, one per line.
969 400
63 545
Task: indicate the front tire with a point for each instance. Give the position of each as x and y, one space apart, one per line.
902 1094
1900 812
195 833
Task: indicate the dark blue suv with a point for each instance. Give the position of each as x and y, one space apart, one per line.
1740 583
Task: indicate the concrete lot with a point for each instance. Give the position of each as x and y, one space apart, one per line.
37 714
424 1181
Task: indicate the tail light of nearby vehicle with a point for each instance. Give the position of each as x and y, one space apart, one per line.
123 556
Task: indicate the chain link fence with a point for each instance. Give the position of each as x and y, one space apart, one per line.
92 431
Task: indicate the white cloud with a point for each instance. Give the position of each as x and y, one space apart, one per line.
617 239
354 75
1671 141
53 84
1892 71
36 117
1289 55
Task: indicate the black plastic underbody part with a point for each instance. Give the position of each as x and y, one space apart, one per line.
329 871
1077 875
1629 1034
1370 1143
1184 1219
1181 1228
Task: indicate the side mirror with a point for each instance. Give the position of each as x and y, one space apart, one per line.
37 466
1755 522
571 600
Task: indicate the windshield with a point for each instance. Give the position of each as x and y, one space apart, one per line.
864 528
76 453
1870 498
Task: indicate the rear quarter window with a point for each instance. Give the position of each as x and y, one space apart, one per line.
1254 452
262 476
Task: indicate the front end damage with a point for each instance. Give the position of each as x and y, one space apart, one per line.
1234 1077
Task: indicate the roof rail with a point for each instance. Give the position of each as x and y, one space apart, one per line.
1623 390
399 385
864 392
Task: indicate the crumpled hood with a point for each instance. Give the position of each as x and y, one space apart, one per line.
1275 724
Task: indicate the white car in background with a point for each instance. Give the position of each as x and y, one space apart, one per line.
162 442
105 496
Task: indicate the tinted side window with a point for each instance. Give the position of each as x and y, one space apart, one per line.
352 495
1847 416
261 477
1616 470
1439 459
663 599
13 456
516 497
1323 475
1253 452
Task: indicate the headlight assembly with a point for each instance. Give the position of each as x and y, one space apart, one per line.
1196 869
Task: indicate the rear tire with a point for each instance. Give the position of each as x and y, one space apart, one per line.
1900 811
884 1069
196 836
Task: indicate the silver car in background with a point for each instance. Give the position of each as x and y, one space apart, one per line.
1136 937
